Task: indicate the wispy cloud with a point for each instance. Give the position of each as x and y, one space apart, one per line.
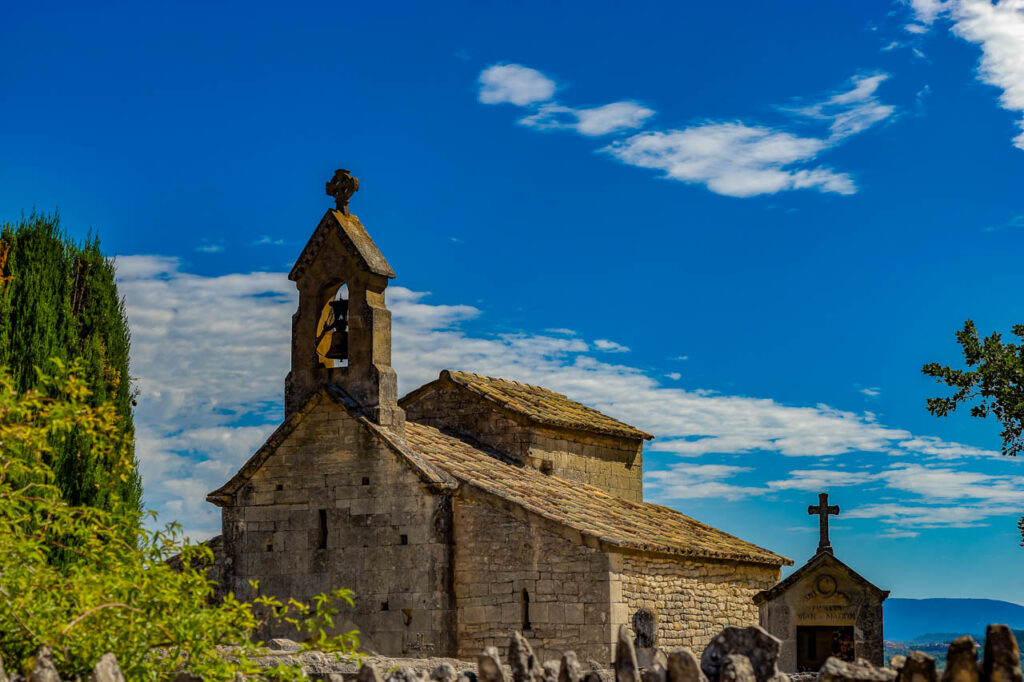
602 120
1013 223
821 479
210 248
698 481
871 391
731 158
265 240
610 346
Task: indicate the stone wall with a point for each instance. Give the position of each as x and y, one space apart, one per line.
334 507
509 570
690 600
610 463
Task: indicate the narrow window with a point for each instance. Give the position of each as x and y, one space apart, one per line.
270 546
403 539
279 486
366 480
526 610
383 606
323 529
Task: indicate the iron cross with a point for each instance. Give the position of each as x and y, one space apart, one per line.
823 511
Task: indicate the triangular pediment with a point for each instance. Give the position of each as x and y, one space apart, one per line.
821 560
352 236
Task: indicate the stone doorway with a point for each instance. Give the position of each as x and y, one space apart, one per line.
815 643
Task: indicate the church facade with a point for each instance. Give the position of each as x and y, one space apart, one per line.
469 508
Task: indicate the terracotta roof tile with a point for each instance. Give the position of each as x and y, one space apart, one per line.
543 405
587 509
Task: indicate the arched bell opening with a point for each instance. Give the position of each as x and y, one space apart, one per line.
332 330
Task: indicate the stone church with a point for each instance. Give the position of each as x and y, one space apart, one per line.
469 508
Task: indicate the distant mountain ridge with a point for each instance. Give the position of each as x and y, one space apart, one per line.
910 619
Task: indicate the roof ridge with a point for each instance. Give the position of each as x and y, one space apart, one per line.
589 510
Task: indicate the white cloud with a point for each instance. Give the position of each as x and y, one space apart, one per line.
610 346
265 240
821 479
733 159
514 84
210 248
697 481
852 111
210 355
674 376
871 391
940 449
602 120
948 484
998 29
730 158
927 11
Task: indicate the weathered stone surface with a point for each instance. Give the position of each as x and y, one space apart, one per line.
836 670
962 661
489 666
684 667
736 668
335 677
1002 657
626 667
551 670
369 673
444 673
522 661
3 673
107 670
569 669
283 644
897 662
44 670
656 669
919 667
754 642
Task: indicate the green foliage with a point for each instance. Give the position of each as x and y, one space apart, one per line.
114 591
995 385
61 302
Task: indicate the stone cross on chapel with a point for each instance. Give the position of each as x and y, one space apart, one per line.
823 510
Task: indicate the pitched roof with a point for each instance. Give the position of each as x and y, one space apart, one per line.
427 472
817 560
585 508
538 404
353 236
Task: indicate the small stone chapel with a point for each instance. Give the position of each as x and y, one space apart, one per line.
824 608
471 507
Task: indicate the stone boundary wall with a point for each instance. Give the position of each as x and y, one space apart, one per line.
736 654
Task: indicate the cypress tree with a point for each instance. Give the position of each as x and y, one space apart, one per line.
61 302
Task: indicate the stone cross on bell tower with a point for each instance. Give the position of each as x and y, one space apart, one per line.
823 510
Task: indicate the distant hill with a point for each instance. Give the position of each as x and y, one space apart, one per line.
913 619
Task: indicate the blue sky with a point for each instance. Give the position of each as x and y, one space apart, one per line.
742 226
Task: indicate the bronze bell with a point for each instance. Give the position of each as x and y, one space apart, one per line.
339 346
339 331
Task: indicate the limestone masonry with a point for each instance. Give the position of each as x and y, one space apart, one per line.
472 507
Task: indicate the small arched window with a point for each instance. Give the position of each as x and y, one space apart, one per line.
526 610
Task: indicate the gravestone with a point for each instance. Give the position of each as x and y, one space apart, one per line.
824 608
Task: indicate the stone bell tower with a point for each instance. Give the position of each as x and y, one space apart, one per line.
341 333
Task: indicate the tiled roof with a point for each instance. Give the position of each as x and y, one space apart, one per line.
585 508
543 405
